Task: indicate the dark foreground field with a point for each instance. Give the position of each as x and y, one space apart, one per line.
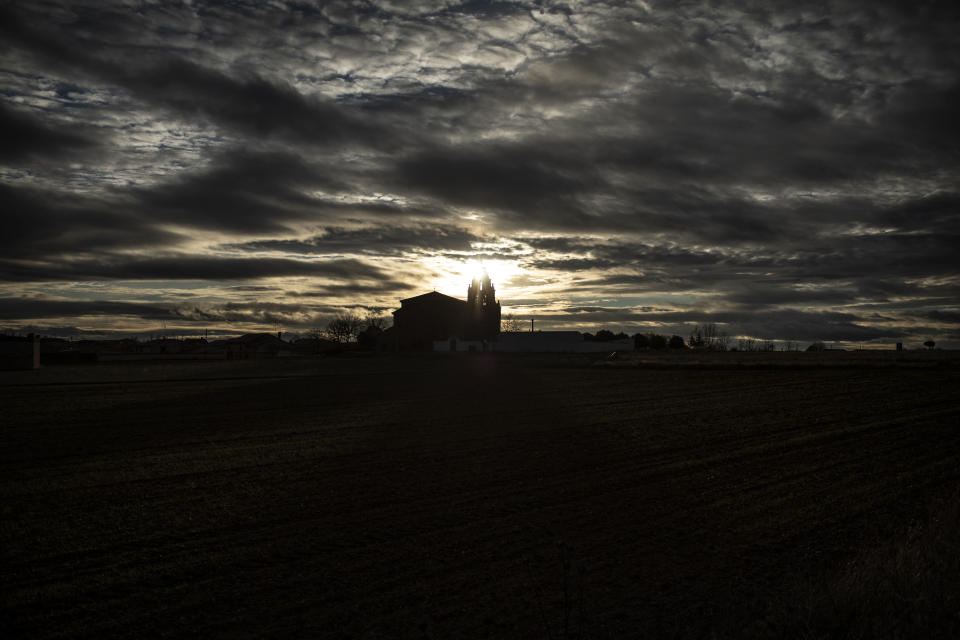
480 497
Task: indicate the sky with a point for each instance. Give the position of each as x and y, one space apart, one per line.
787 171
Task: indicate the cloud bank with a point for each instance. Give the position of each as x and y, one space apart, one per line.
787 171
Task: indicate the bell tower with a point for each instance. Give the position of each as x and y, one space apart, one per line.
488 295
484 308
473 292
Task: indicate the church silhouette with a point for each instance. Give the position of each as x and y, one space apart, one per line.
423 319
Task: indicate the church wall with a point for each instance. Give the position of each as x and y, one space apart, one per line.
424 319
419 325
455 344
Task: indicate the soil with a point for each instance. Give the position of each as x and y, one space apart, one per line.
445 497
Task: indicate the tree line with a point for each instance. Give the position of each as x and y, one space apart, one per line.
706 337
349 327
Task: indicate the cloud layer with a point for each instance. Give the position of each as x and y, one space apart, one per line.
785 171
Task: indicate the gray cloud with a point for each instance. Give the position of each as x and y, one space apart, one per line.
353 290
525 182
783 324
774 162
43 224
26 137
250 104
263 313
185 267
379 240
23 308
242 191
244 100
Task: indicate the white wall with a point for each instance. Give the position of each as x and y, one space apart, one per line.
537 342
461 345
556 342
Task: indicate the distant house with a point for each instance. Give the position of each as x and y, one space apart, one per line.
159 349
313 346
257 345
423 320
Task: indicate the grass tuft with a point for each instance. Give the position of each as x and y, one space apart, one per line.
907 587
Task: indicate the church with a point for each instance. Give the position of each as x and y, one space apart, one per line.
424 319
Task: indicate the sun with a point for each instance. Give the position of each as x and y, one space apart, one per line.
455 275
500 271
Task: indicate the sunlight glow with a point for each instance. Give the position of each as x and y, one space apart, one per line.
500 271
455 275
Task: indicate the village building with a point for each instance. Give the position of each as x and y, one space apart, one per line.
425 319
257 346
438 322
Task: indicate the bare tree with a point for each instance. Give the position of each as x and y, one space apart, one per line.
696 338
511 322
377 322
708 337
709 334
369 331
319 336
344 327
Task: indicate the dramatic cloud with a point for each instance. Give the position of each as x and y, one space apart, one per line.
26 137
185 267
379 240
786 171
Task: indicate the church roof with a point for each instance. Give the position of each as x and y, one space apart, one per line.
433 296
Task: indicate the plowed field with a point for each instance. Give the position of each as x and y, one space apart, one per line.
451 497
